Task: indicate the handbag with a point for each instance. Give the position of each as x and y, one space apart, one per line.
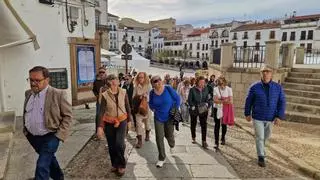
143 107
202 108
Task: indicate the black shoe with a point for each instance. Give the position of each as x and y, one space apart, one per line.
223 142
261 162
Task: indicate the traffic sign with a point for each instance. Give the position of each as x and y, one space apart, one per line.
128 57
126 48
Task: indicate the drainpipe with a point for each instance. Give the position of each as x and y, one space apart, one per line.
32 36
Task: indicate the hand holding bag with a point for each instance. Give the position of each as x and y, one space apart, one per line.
143 107
202 108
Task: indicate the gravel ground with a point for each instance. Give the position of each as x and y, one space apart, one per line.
300 140
240 152
93 161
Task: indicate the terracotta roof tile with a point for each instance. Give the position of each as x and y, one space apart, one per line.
256 26
306 17
198 32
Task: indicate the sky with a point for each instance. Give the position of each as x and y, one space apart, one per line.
205 12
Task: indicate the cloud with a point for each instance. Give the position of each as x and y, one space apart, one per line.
204 12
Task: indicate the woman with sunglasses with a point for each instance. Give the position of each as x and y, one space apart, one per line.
141 92
114 115
162 99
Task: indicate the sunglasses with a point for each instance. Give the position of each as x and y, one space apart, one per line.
36 81
156 81
102 72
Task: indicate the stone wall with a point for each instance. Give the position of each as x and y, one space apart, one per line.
240 81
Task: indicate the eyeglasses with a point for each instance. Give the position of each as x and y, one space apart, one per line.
36 81
102 72
156 81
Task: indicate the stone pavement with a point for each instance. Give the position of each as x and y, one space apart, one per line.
23 157
190 161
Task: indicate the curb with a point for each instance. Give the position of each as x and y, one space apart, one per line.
302 166
7 157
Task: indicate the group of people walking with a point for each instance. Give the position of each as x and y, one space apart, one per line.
126 99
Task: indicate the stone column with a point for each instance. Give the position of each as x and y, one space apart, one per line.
300 55
227 56
288 54
272 53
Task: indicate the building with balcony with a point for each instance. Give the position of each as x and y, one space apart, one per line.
197 44
255 34
138 39
113 23
156 40
173 44
304 31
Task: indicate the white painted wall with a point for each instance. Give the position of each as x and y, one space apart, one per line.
251 41
194 41
103 8
113 35
298 31
136 34
49 25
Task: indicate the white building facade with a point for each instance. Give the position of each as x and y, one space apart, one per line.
49 24
138 39
156 40
113 23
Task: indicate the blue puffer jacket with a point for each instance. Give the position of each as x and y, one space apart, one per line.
263 107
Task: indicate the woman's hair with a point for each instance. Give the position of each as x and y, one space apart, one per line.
221 80
109 78
146 79
186 82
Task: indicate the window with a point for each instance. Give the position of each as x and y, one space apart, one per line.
272 35
212 43
202 47
202 55
216 43
222 41
215 34
114 28
198 55
190 47
234 36
257 46
302 45
190 54
97 17
309 47
207 46
206 55
225 33
292 36
140 40
227 40
245 44
310 35
198 46
58 78
303 35
132 38
185 46
115 45
245 35
258 35
140 48
284 36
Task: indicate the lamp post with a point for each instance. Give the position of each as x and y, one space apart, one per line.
126 51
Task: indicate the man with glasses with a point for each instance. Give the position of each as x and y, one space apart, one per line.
128 86
47 118
98 83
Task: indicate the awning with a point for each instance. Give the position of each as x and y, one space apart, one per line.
106 53
13 30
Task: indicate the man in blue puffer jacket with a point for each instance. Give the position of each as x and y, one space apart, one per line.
265 104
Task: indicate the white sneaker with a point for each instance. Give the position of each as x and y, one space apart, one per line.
172 150
160 164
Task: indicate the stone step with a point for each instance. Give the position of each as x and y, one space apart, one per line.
304 75
303 100
302 87
305 70
302 117
303 108
300 93
303 80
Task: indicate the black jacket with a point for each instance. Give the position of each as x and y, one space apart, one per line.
129 89
196 97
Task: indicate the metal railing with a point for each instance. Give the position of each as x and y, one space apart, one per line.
249 56
312 56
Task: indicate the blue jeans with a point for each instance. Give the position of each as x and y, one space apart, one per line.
262 133
185 112
47 165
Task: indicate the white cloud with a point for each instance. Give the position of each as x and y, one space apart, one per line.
207 11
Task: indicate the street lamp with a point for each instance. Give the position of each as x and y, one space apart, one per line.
126 48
